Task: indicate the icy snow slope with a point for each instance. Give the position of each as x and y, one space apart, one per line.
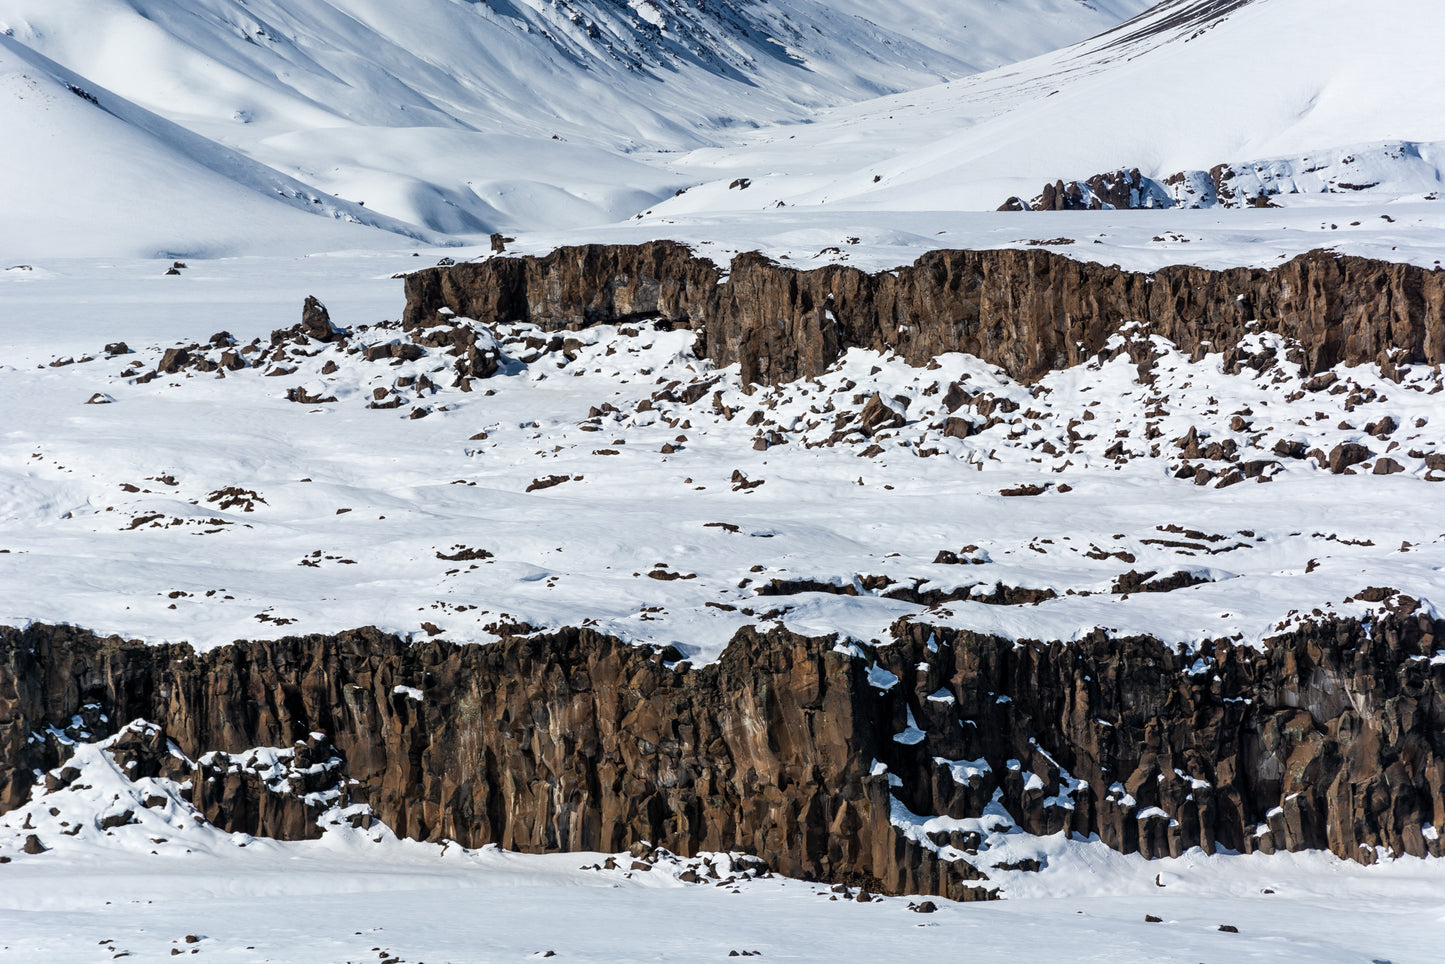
1185 86
88 172
467 117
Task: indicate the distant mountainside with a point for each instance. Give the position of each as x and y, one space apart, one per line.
462 117
86 171
449 119
661 72
1182 88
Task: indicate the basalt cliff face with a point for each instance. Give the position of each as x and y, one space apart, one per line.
1027 311
823 759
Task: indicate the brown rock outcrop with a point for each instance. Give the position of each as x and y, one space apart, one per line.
1346 454
880 414
316 320
1332 737
1028 311
571 741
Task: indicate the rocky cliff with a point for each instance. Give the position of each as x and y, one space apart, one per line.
823 759
1027 311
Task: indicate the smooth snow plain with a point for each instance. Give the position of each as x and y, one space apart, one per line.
339 900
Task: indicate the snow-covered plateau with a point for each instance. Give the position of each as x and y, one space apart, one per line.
484 480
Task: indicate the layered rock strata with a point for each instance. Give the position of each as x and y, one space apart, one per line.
821 758
1027 311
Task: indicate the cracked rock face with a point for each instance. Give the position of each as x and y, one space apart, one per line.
886 767
1028 311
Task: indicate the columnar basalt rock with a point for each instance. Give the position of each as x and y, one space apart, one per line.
1027 311
1332 737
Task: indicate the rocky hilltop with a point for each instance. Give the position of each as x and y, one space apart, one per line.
1028 311
888 767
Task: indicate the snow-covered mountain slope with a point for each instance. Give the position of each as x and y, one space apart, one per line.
465 117
1186 86
654 70
87 172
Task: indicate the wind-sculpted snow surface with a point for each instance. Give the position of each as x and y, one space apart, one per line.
673 67
349 896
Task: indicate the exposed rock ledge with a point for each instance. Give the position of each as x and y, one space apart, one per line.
1332 737
1027 311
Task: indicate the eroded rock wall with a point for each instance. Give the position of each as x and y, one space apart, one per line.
1331 738
1028 311
569 741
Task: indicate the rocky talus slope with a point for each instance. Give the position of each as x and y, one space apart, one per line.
1028 311
883 766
